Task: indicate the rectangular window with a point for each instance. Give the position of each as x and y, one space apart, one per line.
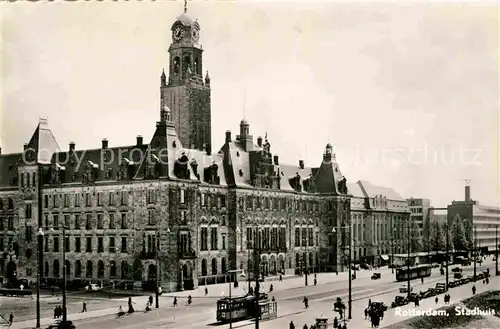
183 216
28 210
78 244
203 199
151 217
150 196
66 221
77 199
124 220
46 244
66 244
112 221
249 238
265 239
89 244
1 244
100 221
99 198
88 222
204 238
46 201
183 196
124 198
223 242
111 196
66 200
88 199
297 237
213 238
304 237
100 244
28 272
10 223
151 244
28 232
56 220
111 244
223 201
77 222
311 236
274 237
56 244
124 244
54 201
22 180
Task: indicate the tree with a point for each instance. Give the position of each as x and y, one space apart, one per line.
469 234
416 238
450 239
459 240
437 240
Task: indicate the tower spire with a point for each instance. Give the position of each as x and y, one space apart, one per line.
244 104
185 6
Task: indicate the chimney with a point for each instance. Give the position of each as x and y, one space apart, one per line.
276 160
0 150
301 164
228 136
25 147
139 140
104 143
71 146
467 193
259 141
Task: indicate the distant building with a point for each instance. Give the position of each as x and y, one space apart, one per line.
379 216
419 213
485 221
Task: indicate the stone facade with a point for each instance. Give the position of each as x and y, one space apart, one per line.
171 212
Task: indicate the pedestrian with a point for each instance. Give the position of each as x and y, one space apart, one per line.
206 291
292 325
422 280
345 326
335 322
305 326
474 290
11 318
369 302
436 299
55 312
175 301
281 279
150 301
84 307
315 281
366 313
336 272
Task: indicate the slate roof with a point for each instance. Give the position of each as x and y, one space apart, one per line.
8 168
370 190
355 190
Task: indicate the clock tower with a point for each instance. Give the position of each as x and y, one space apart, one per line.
186 92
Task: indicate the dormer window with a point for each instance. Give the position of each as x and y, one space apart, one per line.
240 172
174 145
237 153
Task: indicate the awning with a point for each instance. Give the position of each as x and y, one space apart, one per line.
384 257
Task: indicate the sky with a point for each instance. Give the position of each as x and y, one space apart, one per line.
407 93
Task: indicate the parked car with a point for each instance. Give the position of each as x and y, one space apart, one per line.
364 266
457 275
399 301
404 289
431 292
92 287
440 288
453 284
456 269
413 297
61 325
376 276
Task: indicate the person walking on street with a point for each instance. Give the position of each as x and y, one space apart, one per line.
281 279
292 326
473 289
84 307
11 318
366 313
206 291
436 299
335 323
305 326
175 301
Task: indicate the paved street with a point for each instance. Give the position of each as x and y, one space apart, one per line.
288 293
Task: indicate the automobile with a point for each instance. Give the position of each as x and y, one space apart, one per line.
440 288
480 276
92 287
469 279
457 275
364 266
58 324
379 306
404 289
413 297
431 292
354 268
456 269
376 276
399 301
453 284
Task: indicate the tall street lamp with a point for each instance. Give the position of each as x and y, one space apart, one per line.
256 249
158 268
392 250
39 272
304 258
496 250
64 323
447 253
475 251
408 258
230 299
349 316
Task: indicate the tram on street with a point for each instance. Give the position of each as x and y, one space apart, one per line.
416 272
244 307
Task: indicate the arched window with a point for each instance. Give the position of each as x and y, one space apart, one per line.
196 68
55 270
67 266
78 268
112 269
186 63
223 265
297 260
124 269
204 267
10 204
88 269
100 269
214 266
46 269
177 65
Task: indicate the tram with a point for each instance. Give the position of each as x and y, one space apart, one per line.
244 307
415 272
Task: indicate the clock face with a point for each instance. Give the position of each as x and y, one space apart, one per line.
196 35
178 33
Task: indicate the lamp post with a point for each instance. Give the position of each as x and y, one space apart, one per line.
230 299
304 259
496 251
257 277
64 323
39 273
349 316
392 250
447 255
408 258
158 269
475 251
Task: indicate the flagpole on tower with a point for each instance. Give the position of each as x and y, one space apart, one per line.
185 6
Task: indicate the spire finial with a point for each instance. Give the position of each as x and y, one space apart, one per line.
185 6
